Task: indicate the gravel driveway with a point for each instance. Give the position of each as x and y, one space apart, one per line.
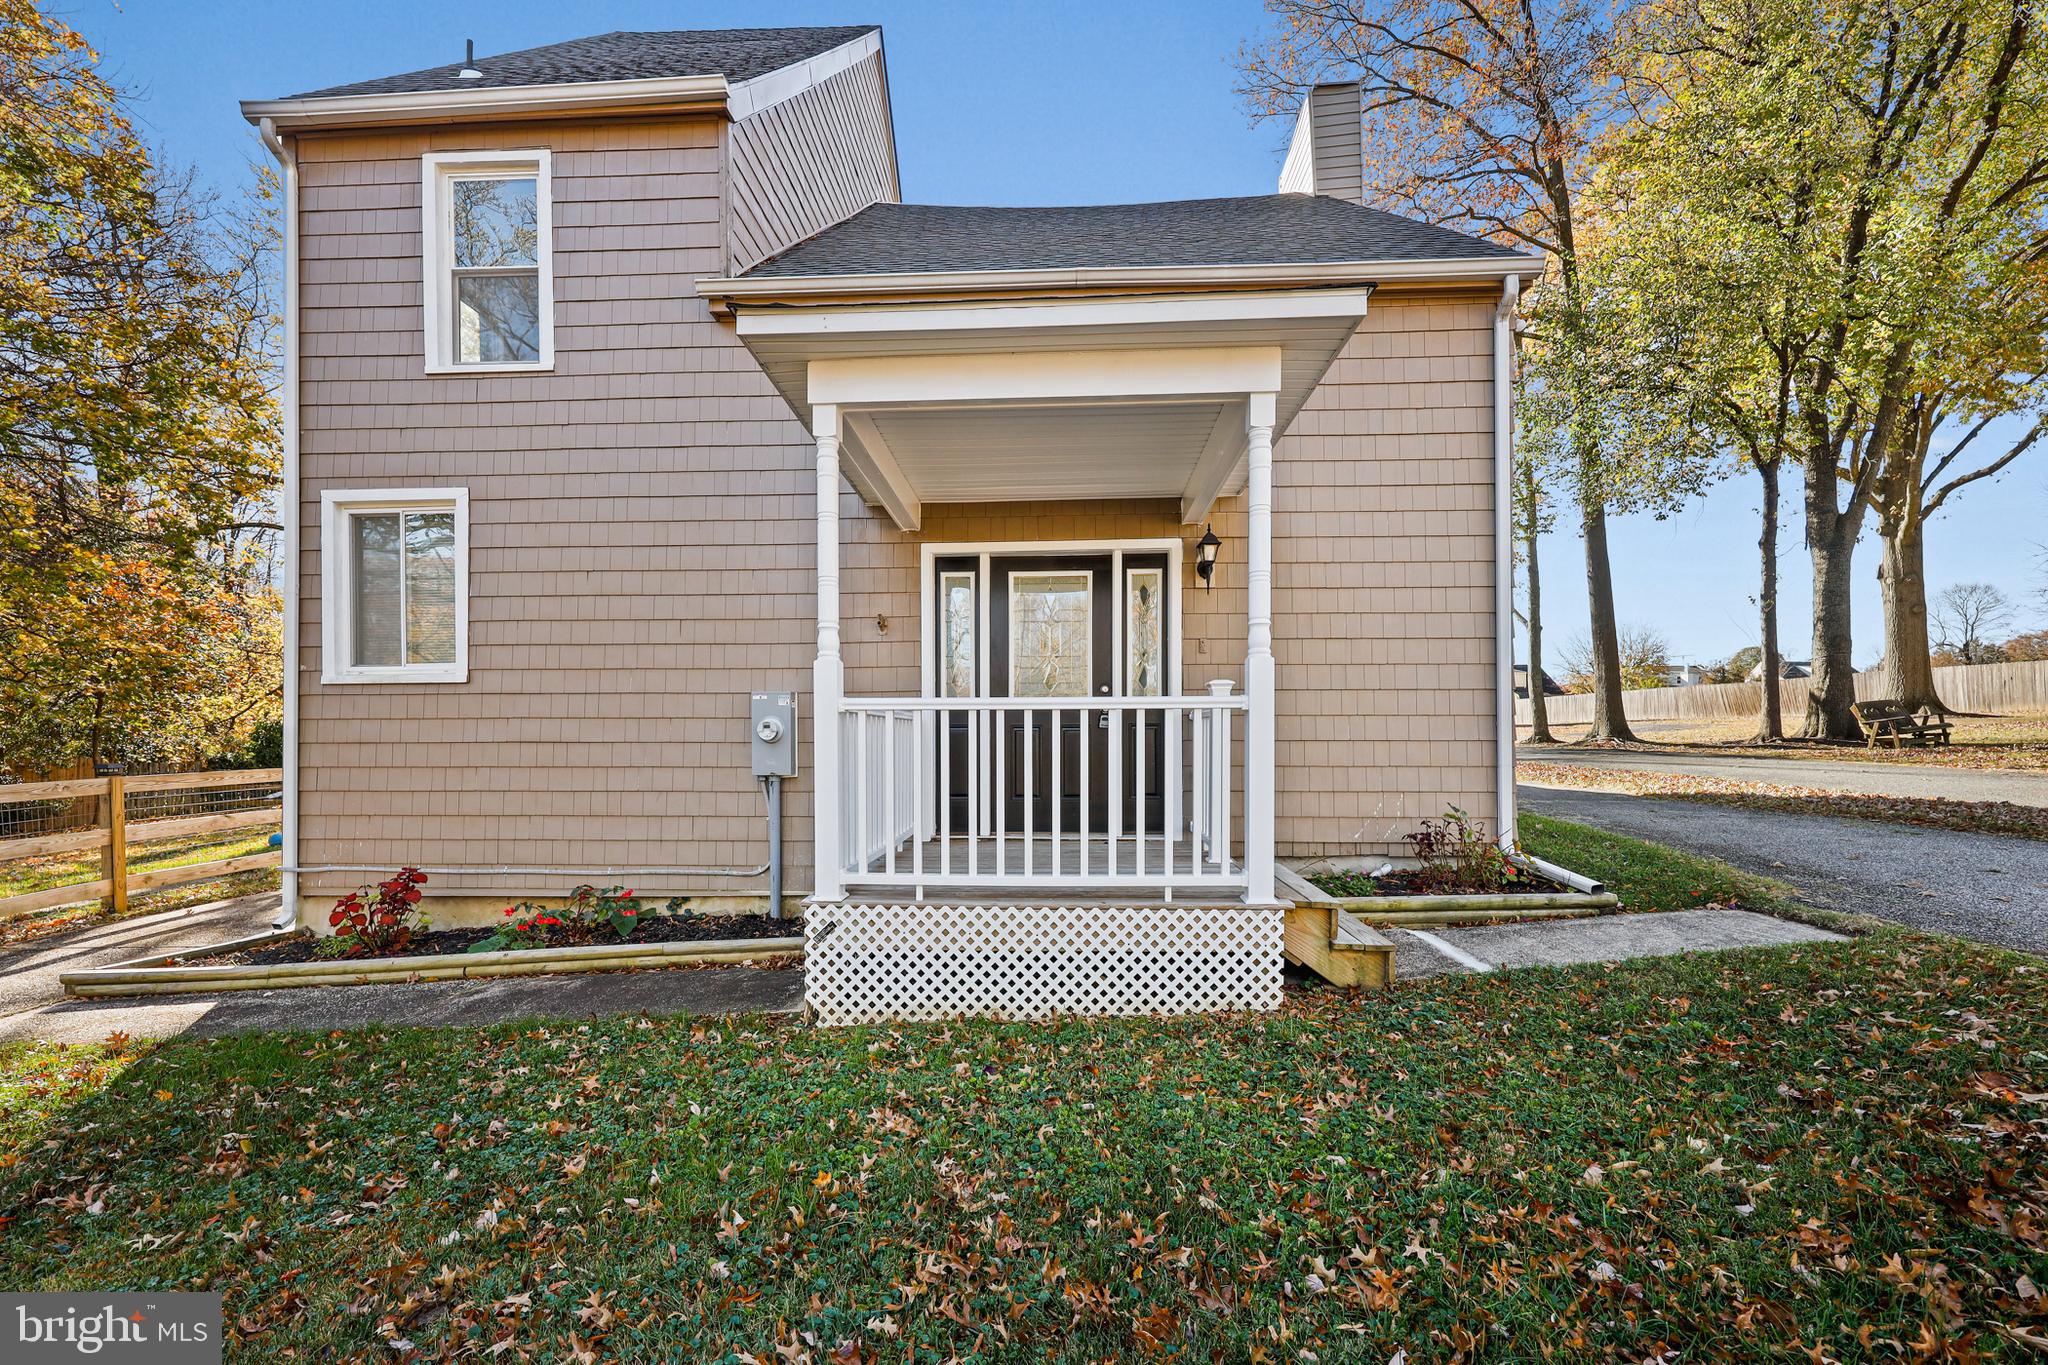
1845 775
1989 887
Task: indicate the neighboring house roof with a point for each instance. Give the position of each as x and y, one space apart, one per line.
1267 229
1550 687
1787 668
738 54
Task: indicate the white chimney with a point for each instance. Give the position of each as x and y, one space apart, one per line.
1327 153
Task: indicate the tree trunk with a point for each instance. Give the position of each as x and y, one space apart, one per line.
1770 725
1831 543
1610 721
1539 705
1908 670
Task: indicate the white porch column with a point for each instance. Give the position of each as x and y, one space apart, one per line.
828 672
1258 657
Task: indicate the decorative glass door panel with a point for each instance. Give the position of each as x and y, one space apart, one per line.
1052 649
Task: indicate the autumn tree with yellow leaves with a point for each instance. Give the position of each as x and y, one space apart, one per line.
138 431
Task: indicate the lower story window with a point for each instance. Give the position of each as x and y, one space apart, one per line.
395 568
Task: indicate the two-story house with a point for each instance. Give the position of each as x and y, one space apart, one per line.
1115 556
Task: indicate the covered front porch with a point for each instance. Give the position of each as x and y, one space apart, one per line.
1059 742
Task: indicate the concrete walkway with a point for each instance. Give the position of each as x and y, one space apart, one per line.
1609 938
33 1004
426 1004
1989 887
2023 788
28 974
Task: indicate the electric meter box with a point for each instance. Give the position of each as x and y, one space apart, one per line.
774 734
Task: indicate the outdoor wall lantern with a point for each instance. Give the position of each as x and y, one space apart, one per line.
1205 556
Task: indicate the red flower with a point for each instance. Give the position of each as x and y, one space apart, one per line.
629 913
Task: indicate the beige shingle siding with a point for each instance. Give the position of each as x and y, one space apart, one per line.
640 521
642 554
1383 582
812 160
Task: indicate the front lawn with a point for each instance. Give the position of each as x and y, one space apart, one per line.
1836 1149
35 874
1647 876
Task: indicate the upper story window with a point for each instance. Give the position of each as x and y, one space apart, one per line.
394 568
488 230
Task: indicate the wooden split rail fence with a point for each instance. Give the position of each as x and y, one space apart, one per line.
114 831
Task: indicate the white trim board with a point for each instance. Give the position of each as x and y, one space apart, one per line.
1170 310
747 98
1146 372
1279 274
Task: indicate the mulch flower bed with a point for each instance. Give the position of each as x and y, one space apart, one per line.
653 928
1407 882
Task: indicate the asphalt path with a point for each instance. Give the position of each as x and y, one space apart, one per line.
1989 887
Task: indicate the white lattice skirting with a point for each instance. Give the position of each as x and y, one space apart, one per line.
868 963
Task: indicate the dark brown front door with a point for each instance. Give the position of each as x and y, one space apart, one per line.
1050 636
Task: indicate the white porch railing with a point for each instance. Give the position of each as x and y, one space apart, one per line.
973 792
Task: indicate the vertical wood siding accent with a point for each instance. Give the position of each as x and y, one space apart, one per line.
1338 141
811 161
643 537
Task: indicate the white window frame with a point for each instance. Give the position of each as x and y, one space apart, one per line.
337 589
437 237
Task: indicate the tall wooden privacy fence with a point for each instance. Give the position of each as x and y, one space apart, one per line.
1991 689
109 814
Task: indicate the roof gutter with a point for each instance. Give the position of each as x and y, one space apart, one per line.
1121 279
499 102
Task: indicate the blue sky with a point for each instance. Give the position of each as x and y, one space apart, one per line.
1026 103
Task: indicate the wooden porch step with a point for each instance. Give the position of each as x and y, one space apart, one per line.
1338 946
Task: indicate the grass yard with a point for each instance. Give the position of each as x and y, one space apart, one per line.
1831 1152
1648 876
34 874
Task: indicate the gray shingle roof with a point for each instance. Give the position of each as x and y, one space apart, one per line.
738 54
1293 229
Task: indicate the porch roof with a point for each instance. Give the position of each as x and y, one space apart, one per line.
978 354
897 239
1052 399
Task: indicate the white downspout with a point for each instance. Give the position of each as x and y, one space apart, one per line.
1504 556
288 518
1504 592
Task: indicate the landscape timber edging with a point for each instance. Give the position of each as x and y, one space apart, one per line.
164 975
